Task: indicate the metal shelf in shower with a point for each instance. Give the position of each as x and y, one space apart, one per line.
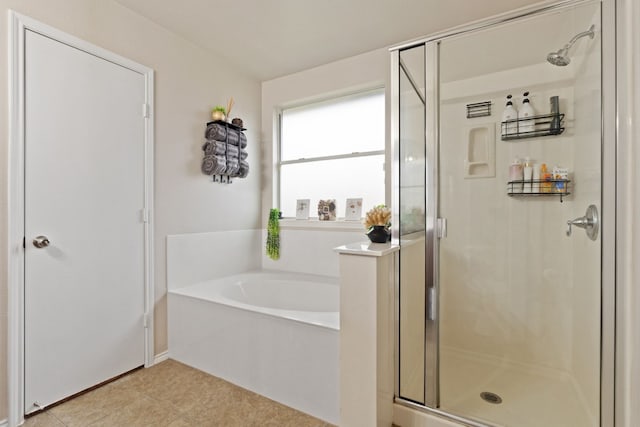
543 125
543 187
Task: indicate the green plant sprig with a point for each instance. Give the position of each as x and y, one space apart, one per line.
273 234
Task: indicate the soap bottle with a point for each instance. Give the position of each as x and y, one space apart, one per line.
545 176
516 176
526 111
509 118
560 177
528 175
535 182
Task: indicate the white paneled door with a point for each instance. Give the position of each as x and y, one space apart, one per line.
84 229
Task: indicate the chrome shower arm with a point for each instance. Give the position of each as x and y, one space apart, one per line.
590 32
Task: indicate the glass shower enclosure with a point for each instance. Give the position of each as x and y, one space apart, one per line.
499 275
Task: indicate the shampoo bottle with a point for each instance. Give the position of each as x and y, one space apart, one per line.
509 118
526 111
528 175
516 175
554 127
560 176
535 183
546 177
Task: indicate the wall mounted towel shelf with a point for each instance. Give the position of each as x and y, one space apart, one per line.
224 152
231 125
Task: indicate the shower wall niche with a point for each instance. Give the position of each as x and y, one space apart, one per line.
510 304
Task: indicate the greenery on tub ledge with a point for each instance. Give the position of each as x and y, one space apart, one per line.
273 234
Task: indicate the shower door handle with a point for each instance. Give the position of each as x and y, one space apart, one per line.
589 222
432 306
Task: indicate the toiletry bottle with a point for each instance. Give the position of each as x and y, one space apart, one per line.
545 176
528 175
560 176
535 183
509 118
554 127
526 111
516 173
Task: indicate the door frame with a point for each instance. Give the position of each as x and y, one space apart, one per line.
18 24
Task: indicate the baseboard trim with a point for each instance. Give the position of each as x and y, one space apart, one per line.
4 423
161 357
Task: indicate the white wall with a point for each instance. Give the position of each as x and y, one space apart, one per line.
188 82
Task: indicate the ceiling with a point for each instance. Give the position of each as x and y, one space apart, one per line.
272 38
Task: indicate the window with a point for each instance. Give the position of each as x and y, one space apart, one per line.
333 150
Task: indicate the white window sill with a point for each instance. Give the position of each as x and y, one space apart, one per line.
314 224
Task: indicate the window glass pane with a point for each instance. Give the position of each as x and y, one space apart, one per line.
332 179
340 126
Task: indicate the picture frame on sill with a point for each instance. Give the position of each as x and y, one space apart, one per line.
327 210
353 209
302 208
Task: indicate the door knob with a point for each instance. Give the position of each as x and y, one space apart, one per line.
41 242
589 222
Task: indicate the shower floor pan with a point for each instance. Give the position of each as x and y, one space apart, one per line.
529 397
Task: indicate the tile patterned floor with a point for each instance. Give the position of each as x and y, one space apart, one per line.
174 395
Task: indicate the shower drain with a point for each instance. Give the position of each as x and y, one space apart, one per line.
487 396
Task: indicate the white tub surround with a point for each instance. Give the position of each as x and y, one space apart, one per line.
272 332
304 298
195 257
310 249
290 361
366 333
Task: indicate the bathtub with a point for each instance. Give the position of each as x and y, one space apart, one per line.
274 333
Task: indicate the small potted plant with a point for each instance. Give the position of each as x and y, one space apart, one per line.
377 222
218 113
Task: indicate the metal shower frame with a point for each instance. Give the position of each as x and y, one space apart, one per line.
608 307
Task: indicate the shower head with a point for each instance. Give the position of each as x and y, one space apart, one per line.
561 57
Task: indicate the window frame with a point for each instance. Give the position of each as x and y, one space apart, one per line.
356 154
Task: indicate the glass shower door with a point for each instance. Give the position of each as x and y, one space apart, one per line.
411 205
519 298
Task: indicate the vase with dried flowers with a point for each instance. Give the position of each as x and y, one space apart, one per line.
377 222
